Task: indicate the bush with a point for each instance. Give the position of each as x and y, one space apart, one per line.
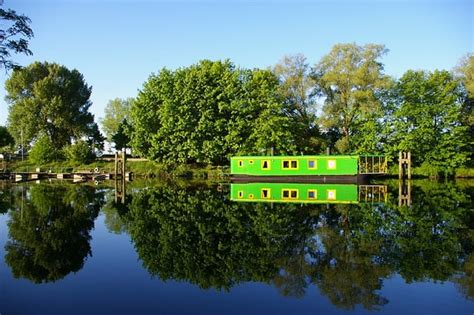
79 152
43 151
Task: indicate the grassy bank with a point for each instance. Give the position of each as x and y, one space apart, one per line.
144 169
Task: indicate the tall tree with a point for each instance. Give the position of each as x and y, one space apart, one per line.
116 111
428 120
350 79
15 32
208 111
296 89
47 98
6 138
465 71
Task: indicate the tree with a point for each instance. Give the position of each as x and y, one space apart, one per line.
207 112
350 79
121 136
427 120
116 111
79 152
6 138
296 89
43 151
465 72
47 98
14 37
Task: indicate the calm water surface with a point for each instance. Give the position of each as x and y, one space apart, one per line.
189 249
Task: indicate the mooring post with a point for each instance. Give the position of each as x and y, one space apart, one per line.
409 165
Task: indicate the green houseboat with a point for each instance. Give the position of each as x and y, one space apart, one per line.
317 168
307 193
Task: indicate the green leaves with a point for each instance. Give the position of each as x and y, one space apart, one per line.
14 36
49 99
207 112
428 120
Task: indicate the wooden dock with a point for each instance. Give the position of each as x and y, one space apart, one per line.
76 176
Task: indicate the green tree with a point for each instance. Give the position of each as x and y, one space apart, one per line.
350 79
121 137
116 111
43 151
6 138
296 89
207 112
47 98
15 32
428 120
465 72
79 152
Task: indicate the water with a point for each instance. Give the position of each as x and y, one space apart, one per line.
189 249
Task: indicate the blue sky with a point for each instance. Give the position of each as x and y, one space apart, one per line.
117 44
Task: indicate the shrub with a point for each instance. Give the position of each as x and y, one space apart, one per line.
79 152
43 151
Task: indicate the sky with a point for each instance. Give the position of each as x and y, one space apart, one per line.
118 44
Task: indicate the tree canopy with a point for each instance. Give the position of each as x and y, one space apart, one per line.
15 32
350 79
116 112
427 120
207 112
49 99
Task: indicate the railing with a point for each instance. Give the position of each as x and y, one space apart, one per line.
373 193
372 164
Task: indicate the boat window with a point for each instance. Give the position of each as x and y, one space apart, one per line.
312 164
331 194
331 164
312 194
290 164
265 193
241 194
289 193
240 163
265 164
250 196
250 161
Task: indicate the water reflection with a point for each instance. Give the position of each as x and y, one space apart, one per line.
49 230
197 234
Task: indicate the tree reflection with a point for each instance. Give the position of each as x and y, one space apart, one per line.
49 231
197 235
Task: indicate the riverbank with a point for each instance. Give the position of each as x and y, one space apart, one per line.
150 169
140 169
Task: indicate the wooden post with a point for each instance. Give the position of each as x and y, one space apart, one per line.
404 165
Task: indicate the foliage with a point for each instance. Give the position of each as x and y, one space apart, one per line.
79 152
196 235
207 112
350 79
47 98
14 36
6 138
43 151
465 71
116 112
49 236
296 91
121 137
427 120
